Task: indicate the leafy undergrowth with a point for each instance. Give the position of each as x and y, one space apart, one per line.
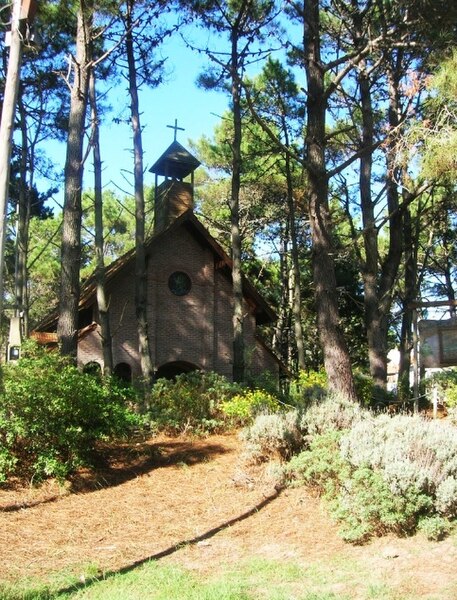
155 498
52 415
379 473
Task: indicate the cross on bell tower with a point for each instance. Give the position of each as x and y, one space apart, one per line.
174 195
176 128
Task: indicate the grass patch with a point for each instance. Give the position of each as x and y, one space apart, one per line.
160 583
258 579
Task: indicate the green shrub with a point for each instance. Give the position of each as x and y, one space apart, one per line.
191 402
266 381
379 473
7 463
446 384
206 402
272 436
411 453
452 415
358 497
242 408
364 387
370 394
434 528
332 413
51 415
365 506
320 466
446 496
309 386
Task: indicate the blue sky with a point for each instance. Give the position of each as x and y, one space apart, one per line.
196 110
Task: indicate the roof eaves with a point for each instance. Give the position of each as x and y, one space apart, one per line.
264 312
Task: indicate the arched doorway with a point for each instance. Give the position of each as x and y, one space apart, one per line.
92 368
172 369
123 371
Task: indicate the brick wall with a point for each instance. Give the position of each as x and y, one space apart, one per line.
195 328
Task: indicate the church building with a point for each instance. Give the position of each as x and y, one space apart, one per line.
189 293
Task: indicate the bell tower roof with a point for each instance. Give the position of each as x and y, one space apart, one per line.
173 196
175 163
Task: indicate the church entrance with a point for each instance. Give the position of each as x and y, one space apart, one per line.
172 369
123 372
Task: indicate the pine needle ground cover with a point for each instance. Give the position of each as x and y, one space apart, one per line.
213 528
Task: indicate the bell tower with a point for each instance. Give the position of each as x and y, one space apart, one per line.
173 196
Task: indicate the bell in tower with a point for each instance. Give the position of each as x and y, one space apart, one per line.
173 196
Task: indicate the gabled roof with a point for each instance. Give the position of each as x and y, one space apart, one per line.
264 313
47 338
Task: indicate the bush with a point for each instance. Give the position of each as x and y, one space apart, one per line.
364 387
266 381
378 473
358 496
411 453
272 436
191 402
320 466
242 408
333 413
452 415
7 461
366 506
51 415
446 497
435 529
369 394
309 386
383 474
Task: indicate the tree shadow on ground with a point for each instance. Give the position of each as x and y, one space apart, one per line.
113 465
172 549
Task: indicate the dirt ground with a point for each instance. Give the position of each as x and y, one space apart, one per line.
192 502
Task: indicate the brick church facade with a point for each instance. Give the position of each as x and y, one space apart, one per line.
189 294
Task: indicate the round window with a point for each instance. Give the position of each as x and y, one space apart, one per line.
179 283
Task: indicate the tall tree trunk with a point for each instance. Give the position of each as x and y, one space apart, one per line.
391 263
6 131
67 328
448 267
296 298
376 347
410 282
238 325
99 241
336 355
23 221
281 337
140 253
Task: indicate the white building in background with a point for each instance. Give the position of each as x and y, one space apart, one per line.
393 364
